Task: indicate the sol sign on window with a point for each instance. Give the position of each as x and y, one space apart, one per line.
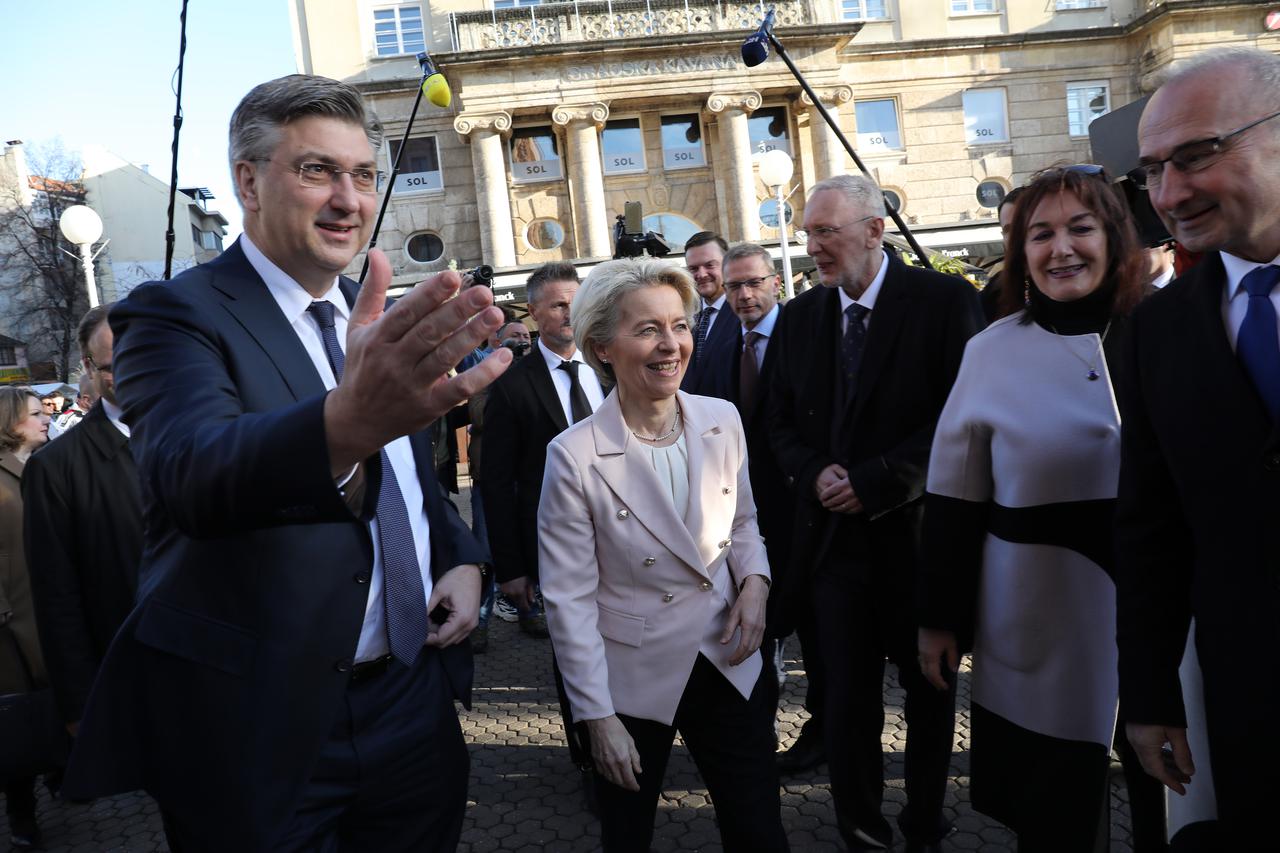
984 117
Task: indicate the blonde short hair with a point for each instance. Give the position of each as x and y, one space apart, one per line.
594 312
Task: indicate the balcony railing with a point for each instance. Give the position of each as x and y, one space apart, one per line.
559 23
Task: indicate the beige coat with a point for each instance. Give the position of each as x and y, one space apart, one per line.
632 589
15 584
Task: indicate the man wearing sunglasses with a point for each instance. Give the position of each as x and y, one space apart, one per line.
1200 474
287 678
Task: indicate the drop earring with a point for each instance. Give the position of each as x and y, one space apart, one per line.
1026 294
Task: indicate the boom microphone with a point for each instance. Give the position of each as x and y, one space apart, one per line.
755 49
434 86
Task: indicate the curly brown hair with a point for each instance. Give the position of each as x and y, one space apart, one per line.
1125 261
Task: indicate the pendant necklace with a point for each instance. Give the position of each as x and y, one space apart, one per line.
1093 373
675 425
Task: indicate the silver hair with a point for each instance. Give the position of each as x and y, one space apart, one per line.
862 192
1261 67
742 251
594 312
256 122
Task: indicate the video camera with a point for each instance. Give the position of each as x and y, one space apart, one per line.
630 240
519 349
479 276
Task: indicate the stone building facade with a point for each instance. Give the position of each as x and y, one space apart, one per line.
564 111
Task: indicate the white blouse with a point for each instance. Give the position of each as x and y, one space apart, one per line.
671 464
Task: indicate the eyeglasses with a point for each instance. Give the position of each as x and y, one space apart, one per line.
1191 157
316 176
749 283
101 368
822 232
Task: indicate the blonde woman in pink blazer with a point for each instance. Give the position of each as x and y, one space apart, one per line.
654 572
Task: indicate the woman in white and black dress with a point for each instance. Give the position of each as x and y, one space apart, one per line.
1019 517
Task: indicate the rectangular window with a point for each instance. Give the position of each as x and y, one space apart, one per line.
419 166
622 147
1081 4
985 120
970 7
535 156
210 240
878 125
510 4
863 10
195 234
1085 102
682 142
8 355
398 30
767 129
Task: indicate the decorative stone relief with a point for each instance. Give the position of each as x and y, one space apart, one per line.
468 123
596 113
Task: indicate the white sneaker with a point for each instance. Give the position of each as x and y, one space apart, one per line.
505 610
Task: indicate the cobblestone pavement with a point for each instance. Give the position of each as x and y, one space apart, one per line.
525 795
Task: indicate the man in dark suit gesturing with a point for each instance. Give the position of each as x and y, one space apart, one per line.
287 679
865 364
1200 466
84 517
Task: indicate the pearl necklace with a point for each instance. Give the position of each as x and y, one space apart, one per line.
675 425
1093 374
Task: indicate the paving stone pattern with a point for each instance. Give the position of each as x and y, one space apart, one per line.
525 796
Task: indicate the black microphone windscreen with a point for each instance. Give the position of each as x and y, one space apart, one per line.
755 50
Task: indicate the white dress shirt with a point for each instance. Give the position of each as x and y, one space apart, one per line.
718 305
1235 300
764 328
294 301
867 299
114 414
586 378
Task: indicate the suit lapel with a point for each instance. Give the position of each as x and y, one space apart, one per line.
629 474
107 441
544 389
249 301
882 333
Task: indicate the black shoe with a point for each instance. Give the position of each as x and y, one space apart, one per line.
805 754
535 626
24 832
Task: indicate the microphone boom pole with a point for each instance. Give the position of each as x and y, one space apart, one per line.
831 122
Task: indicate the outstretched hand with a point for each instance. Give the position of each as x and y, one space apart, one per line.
398 360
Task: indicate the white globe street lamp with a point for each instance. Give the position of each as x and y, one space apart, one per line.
776 169
82 226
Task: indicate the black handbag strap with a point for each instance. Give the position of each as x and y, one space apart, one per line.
22 658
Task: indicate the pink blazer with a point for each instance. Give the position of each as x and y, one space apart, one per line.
631 589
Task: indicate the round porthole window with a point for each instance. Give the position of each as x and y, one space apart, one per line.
544 234
425 248
991 193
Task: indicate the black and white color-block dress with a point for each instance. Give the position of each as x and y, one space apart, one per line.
1018 528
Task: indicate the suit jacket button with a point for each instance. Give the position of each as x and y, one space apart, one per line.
705 586
649 561
726 490
363 577
623 514
667 597
725 544
342 665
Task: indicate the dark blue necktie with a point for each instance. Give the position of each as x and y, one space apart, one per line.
1258 344
403 596
855 335
700 335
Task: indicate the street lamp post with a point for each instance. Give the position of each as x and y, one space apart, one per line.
82 226
776 168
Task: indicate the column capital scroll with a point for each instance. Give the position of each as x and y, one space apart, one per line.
830 96
468 123
596 113
746 101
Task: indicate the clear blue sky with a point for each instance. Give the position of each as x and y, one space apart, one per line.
102 72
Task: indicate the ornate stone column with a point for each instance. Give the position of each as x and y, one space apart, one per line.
582 124
486 132
732 109
829 155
